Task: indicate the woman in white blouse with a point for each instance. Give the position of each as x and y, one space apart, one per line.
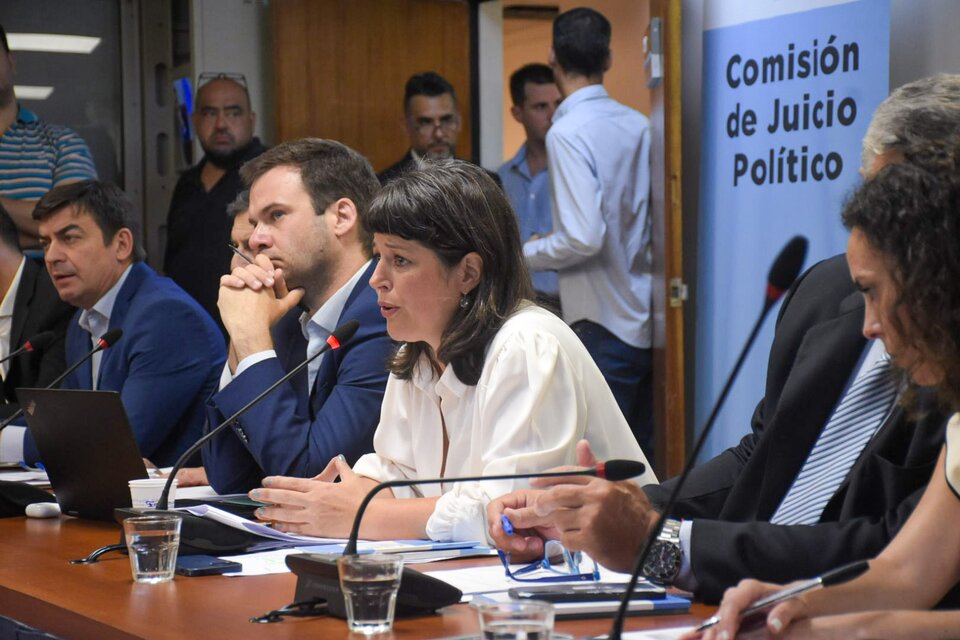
904 254
485 382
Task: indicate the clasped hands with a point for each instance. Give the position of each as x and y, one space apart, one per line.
607 520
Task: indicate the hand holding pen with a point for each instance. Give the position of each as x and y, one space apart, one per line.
754 616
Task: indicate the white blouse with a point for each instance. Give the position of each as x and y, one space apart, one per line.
538 394
953 453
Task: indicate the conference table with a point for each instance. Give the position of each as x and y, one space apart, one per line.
100 601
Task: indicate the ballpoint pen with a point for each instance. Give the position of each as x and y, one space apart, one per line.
241 254
833 577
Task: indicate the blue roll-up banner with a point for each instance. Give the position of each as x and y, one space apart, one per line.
789 87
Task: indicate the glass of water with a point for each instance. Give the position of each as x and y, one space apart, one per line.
516 620
152 543
370 584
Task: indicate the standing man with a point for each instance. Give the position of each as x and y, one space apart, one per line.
35 156
432 121
198 226
170 355
535 97
28 305
312 274
599 154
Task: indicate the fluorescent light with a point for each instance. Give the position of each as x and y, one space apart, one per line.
52 43
27 92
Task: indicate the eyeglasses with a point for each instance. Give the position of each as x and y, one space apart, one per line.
209 76
557 560
447 124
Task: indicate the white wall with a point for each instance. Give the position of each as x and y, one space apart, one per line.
235 36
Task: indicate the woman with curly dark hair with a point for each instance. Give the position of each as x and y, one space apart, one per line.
904 255
485 382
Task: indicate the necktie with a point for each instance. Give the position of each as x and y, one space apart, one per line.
855 420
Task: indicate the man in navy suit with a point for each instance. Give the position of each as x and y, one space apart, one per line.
311 274
171 352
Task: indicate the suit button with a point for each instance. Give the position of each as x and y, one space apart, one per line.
241 433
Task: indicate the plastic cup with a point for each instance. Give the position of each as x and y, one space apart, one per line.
152 543
370 584
519 620
145 493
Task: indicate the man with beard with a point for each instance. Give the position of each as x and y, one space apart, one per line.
198 226
35 156
432 120
311 273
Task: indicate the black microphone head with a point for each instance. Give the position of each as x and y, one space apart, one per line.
786 267
110 338
620 469
344 332
40 341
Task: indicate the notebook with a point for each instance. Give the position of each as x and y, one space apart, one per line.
87 446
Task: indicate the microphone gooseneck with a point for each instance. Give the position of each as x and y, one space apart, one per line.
106 341
339 336
786 267
33 343
610 470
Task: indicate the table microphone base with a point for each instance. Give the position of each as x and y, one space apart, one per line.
318 579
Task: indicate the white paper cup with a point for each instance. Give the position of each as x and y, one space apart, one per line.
145 493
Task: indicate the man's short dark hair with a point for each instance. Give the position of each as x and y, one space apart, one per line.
9 235
106 203
3 39
581 41
329 170
428 84
534 73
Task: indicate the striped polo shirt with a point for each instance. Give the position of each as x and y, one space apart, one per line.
36 156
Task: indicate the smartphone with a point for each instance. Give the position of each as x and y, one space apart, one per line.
585 592
205 566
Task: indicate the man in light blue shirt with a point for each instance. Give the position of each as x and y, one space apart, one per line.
599 153
525 179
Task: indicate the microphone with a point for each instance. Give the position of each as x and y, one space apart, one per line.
786 267
318 578
106 341
34 343
339 336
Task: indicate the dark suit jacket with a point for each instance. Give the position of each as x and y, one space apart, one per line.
287 433
37 308
165 366
731 498
407 163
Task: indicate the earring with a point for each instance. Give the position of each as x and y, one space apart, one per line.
464 301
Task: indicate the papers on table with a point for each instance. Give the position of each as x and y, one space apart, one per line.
656 634
257 528
35 477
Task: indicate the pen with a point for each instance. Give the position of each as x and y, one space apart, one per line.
240 253
506 524
833 577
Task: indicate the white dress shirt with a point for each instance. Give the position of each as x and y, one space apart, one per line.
6 318
599 153
538 394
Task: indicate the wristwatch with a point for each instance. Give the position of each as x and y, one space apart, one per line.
665 557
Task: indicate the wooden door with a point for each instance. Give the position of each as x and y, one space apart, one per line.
341 66
666 209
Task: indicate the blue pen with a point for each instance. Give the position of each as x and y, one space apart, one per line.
506 524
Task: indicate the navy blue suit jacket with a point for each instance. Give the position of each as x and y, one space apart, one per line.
288 433
165 366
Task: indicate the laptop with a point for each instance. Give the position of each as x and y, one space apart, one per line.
87 446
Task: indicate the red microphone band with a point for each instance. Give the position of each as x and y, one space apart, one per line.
333 342
773 293
602 470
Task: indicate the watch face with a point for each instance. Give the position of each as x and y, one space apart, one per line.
663 563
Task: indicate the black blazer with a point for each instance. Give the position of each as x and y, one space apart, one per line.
407 163
37 308
731 498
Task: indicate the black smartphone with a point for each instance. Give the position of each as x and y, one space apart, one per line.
584 592
205 566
